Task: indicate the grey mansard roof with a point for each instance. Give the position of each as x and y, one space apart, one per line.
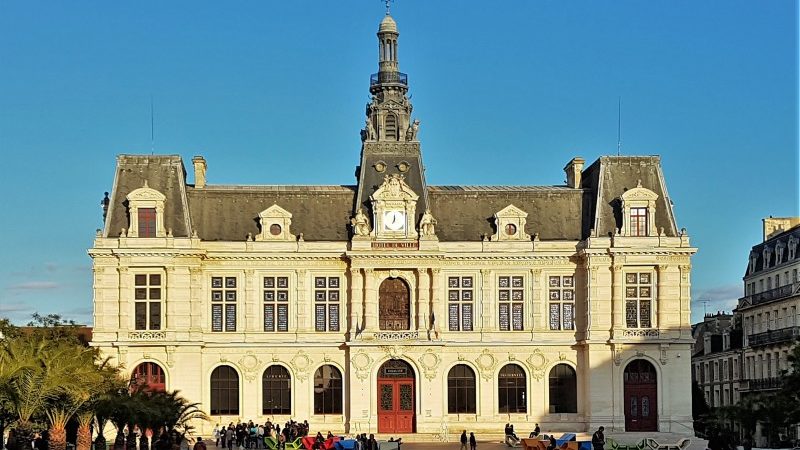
322 213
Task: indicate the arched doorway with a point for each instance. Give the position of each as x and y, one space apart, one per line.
396 397
394 305
149 376
641 396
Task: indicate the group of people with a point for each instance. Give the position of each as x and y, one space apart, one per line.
511 439
251 435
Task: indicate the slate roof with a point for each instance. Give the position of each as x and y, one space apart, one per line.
758 250
322 213
164 173
610 176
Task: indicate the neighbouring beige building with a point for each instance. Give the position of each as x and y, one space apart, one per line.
395 306
769 308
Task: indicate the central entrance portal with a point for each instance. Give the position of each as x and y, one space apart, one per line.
395 397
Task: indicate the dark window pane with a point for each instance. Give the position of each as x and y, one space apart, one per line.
155 279
140 280
563 388
512 389
461 390
155 315
277 389
224 392
147 222
141 315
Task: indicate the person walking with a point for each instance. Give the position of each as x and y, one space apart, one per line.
599 439
473 443
464 440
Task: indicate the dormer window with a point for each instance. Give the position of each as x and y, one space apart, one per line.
147 222
638 221
779 252
146 207
792 247
767 256
638 211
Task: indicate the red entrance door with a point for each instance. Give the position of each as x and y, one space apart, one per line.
395 398
641 401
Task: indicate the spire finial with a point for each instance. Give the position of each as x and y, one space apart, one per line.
388 6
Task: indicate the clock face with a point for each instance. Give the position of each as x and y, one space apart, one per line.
394 220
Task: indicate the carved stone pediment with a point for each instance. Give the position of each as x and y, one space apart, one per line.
275 224
144 194
394 206
639 194
510 224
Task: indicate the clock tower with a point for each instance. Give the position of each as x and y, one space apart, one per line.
391 176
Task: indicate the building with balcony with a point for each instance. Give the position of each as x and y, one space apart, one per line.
770 305
394 306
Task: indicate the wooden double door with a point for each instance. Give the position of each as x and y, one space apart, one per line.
396 395
641 396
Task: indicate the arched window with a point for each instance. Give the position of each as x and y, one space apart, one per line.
390 128
563 386
224 392
461 390
277 386
327 390
511 389
149 376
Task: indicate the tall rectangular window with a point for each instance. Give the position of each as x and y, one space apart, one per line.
147 299
326 303
638 299
638 221
147 222
223 303
460 295
510 295
562 302
276 303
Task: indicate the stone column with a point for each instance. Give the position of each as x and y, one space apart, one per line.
196 299
301 303
125 292
439 304
488 322
252 300
685 300
370 302
423 299
538 306
618 298
661 302
356 301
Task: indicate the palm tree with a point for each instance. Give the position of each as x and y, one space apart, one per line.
31 376
77 362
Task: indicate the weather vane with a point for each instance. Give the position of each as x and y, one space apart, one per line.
388 5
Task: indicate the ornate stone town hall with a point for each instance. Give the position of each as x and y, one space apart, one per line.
394 306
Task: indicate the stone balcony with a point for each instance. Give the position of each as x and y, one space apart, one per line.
773 336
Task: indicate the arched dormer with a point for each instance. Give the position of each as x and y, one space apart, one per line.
146 212
638 211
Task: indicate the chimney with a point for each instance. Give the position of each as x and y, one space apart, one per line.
199 172
574 169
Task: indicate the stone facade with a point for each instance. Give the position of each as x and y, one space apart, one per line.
563 305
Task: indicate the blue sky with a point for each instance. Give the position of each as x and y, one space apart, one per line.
274 93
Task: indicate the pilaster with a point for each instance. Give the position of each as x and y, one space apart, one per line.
301 300
356 303
251 301
370 302
487 314
617 297
439 303
124 293
423 297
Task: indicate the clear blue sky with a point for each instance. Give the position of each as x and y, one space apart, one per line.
274 92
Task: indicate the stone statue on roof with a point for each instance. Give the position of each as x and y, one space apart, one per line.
427 226
360 223
413 129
